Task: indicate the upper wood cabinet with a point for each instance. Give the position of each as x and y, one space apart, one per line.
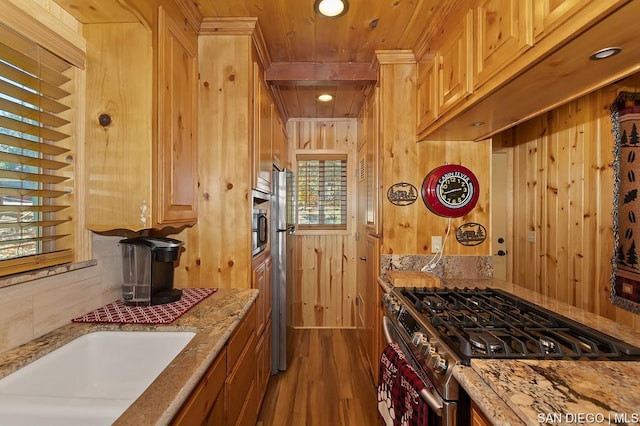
372 162
503 30
262 142
141 124
426 91
453 65
551 15
445 77
527 57
280 144
177 160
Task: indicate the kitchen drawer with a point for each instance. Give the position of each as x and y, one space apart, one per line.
241 381
240 336
205 396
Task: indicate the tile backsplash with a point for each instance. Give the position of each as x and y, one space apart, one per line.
31 309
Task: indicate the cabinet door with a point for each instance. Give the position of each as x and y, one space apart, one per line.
118 150
373 164
263 364
262 157
503 30
427 96
205 405
278 139
454 61
259 281
177 171
268 289
372 320
477 417
549 14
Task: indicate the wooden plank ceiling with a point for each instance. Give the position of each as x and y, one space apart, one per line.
311 54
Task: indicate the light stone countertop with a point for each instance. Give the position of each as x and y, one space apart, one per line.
554 392
213 320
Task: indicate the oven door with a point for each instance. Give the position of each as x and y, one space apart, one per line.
441 412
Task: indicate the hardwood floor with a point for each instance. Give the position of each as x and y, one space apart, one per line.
326 384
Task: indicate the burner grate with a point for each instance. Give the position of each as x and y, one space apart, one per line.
490 323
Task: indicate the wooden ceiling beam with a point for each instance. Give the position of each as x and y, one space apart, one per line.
316 73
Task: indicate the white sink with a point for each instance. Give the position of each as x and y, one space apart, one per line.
90 380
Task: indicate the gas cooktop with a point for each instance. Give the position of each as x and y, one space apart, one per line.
491 323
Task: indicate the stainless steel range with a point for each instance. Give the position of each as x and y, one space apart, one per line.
438 328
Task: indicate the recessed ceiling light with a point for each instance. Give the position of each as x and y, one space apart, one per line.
605 53
325 97
478 123
331 8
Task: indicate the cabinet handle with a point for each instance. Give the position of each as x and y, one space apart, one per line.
363 258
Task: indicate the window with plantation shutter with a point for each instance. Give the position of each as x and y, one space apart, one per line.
35 176
322 191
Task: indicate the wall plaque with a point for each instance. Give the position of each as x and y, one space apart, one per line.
402 194
471 234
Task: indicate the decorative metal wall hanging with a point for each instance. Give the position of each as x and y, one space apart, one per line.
402 194
471 234
625 276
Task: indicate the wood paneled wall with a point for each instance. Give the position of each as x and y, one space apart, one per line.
563 191
325 284
408 229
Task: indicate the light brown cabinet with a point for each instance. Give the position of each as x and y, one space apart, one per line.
176 178
510 81
231 92
503 30
453 65
445 80
566 15
261 280
262 142
369 315
141 124
477 417
262 269
280 144
372 129
206 403
263 364
427 95
226 393
373 322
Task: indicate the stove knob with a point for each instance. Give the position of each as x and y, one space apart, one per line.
419 339
428 349
440 364
390 302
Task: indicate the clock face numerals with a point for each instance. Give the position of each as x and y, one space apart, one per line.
455 190
450 190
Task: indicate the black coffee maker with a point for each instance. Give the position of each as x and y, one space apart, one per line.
147 270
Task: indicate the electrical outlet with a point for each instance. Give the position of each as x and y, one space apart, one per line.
436 244
531 236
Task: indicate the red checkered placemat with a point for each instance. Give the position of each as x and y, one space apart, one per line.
118 312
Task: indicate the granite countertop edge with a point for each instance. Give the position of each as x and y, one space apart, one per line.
213 320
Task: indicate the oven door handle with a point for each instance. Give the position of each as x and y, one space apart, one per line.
432 402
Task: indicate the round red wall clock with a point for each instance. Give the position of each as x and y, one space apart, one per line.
451 190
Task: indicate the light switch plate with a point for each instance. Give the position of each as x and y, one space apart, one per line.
531 236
